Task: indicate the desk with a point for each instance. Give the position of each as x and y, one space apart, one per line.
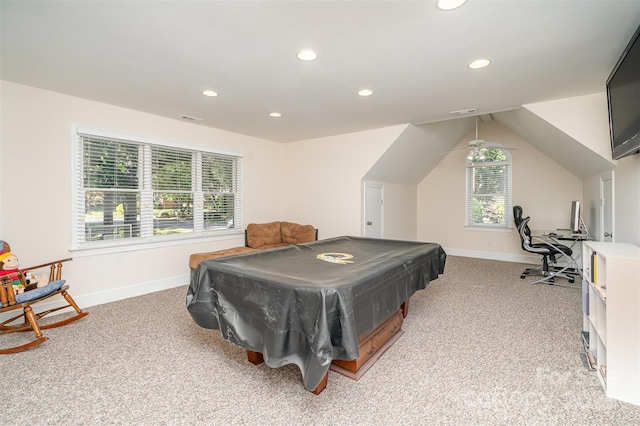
566 238
293 308
568 266
561 235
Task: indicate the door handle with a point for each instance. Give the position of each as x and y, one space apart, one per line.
369 223
608 234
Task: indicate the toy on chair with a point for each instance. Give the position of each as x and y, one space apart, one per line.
21 280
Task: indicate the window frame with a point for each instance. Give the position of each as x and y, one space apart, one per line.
471 165
147 239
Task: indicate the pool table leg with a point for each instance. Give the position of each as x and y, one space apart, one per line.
405 308
255 357
322 385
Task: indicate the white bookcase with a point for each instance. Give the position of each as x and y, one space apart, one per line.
611 316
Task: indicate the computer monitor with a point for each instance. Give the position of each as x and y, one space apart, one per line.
575 216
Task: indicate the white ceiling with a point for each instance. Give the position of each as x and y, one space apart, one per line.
157 57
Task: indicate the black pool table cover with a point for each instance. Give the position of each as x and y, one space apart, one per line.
295 308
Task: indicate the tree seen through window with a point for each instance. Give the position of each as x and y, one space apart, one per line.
137 190
488 188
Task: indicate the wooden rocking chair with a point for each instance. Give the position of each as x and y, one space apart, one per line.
9 301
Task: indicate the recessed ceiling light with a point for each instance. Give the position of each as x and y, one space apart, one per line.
210 93
365 92
479 63
307 55
275 115
449 4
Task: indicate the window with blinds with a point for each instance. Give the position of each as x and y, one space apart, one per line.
489 189
130 190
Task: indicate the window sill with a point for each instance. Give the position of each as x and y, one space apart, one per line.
106 248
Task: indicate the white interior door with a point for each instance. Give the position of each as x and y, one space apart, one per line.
373 210
606 194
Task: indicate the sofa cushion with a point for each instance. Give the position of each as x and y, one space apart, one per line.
196 258
39 292
293 233
261 234
270 246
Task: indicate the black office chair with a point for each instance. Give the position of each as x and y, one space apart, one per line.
547 250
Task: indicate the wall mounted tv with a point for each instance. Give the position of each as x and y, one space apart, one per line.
623 96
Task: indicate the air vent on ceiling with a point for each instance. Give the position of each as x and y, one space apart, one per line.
464 111
190 118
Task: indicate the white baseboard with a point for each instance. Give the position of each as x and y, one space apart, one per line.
505 257
87 300
113 295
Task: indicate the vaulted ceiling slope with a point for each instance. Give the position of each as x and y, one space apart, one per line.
419 149
158 57
556 144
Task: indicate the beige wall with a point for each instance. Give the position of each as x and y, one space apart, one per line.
35 217
400 212
542 187
316 181
590 208
585 118
627 200
324 179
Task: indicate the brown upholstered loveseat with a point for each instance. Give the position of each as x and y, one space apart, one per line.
262 236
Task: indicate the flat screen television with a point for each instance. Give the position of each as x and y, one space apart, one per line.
623 97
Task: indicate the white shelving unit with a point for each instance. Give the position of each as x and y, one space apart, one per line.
611 316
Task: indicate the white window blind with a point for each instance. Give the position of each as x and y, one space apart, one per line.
489 189
131 191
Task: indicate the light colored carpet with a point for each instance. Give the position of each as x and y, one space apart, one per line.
480 346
